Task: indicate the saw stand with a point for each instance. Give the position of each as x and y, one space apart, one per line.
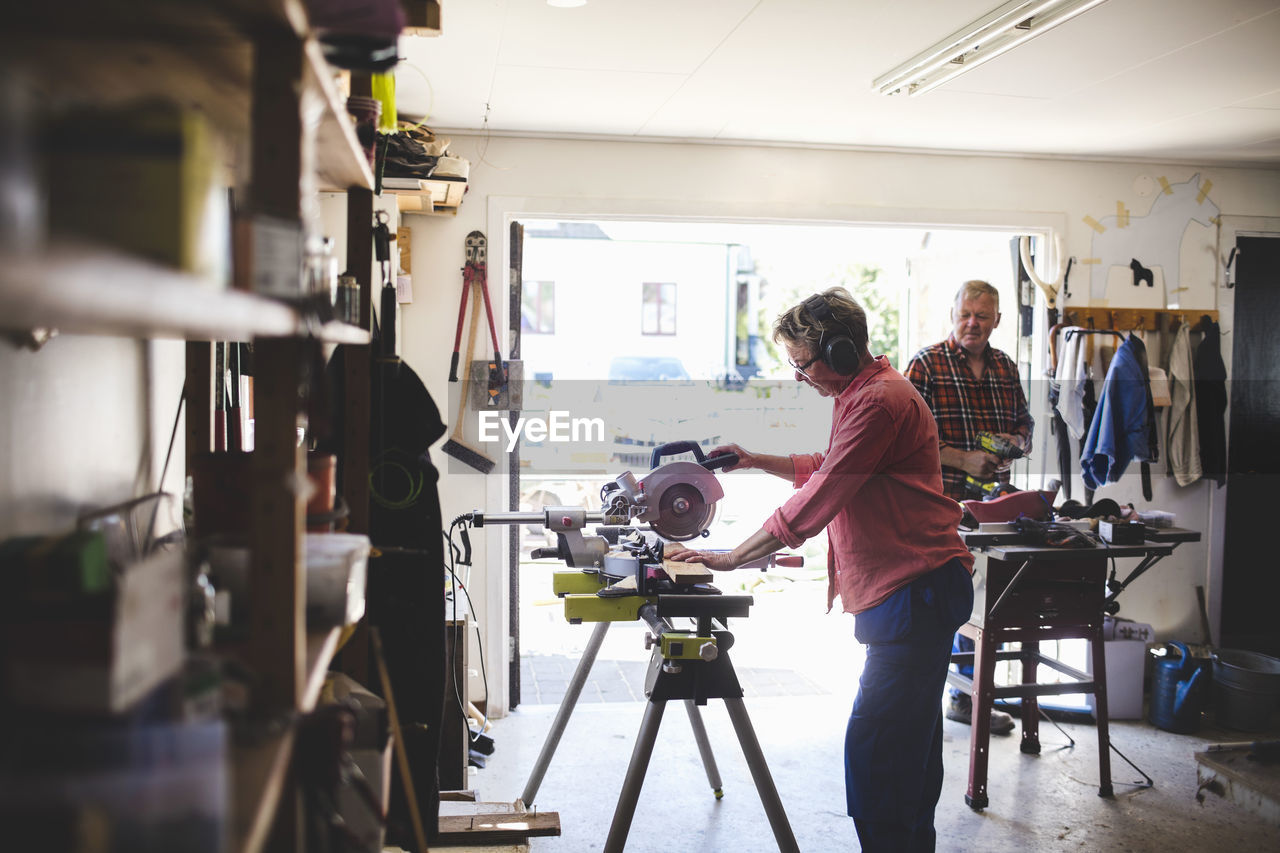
688 666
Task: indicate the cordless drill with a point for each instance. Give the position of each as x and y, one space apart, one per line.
1003 449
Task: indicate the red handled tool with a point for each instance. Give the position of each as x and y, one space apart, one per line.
476 272
462 313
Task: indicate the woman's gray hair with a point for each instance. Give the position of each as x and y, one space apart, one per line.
797 326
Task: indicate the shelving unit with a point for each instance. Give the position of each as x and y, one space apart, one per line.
78 288
252 68
259 769
435 196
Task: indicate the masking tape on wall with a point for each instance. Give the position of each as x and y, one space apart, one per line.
1204 191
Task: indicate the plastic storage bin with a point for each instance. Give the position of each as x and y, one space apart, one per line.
1126 650
337 564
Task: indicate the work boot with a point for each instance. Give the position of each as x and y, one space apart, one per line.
960 709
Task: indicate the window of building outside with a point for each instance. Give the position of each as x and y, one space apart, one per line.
538 308
658 308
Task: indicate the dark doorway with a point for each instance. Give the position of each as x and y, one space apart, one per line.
1251 584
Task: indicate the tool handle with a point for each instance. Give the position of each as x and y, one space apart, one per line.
457 336
673 448
723 460
388 320
488 310
790 561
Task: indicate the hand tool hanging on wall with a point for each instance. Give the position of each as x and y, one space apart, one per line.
387 308
457 335
219 396
476 271
457 446
235 418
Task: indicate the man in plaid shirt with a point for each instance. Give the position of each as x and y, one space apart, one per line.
972 387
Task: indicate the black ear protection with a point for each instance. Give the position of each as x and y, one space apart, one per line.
837 350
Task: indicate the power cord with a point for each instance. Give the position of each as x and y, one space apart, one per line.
462 557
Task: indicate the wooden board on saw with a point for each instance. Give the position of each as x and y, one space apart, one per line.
686 573
478 823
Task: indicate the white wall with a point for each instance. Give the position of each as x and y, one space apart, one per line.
514 177
598 287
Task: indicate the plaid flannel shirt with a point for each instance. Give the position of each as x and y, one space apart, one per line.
964 406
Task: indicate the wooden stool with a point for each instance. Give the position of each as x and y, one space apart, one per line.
1027 595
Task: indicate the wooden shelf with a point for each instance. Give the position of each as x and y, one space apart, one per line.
341 163
258 770
84 289
433 197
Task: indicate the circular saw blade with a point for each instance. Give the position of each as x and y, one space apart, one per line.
682 513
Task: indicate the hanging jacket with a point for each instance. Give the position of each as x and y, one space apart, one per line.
1123 425
1211 403
1184 432
1072 374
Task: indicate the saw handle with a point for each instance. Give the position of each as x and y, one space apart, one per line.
674 448
723 460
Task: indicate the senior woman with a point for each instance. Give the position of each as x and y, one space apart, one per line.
894 558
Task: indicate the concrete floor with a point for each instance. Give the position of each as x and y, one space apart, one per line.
1045 802
799 704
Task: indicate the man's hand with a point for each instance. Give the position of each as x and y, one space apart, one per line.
718 560
979 463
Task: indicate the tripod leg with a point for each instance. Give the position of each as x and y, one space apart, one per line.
760 775
630 795
567 704
704 747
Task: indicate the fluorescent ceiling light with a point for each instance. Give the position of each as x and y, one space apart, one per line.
986 38
566 4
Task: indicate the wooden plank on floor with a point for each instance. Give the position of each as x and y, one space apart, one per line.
478 824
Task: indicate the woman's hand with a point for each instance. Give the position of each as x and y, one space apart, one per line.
746 459
719 560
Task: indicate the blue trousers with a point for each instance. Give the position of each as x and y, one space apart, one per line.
893 743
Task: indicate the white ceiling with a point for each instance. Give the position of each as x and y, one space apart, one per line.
1195 80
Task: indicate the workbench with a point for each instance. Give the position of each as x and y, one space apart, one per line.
1029 593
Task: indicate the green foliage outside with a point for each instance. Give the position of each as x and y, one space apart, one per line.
881 308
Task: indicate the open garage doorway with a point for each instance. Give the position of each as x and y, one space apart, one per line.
661 332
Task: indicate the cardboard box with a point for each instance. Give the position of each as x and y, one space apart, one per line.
101 659
142 179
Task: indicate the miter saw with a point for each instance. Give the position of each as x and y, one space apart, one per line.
622 566
620 574
676 500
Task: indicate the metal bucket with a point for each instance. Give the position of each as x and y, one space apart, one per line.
1246 689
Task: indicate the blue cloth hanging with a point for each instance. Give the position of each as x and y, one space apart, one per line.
1122 426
